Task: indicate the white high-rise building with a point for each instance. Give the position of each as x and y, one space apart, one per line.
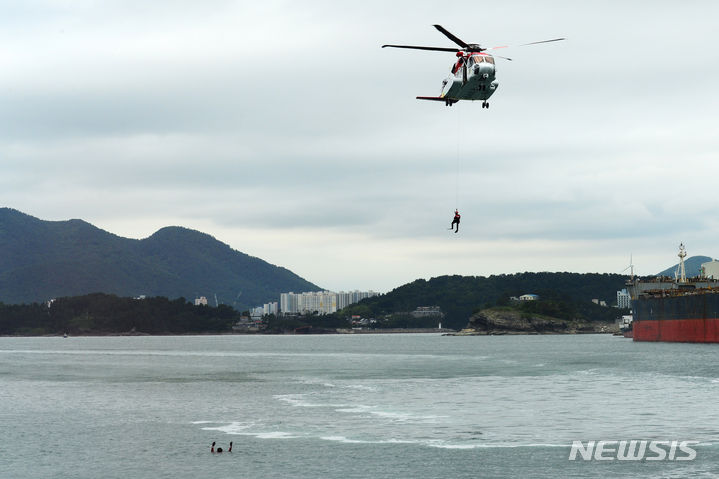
270 308
343 300
288 303
322 302
624 299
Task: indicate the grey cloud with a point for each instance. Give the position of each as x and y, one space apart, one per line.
286 117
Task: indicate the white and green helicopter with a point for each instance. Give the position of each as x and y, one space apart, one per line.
473 74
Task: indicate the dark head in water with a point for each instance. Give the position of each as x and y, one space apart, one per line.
219 449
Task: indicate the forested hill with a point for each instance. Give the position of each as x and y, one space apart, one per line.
459 296
40 260
100 314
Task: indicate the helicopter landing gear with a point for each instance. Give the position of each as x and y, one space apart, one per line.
485 104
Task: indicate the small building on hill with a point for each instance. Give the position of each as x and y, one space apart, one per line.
528 297
427 312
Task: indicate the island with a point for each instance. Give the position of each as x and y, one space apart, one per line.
514 320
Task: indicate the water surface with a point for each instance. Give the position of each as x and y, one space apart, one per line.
346 406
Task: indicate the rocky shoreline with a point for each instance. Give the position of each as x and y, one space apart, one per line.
507 321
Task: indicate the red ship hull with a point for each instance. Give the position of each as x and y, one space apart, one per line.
677 330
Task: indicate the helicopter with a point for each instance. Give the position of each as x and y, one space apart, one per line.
473 73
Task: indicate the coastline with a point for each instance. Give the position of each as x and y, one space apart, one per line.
525 333
443 332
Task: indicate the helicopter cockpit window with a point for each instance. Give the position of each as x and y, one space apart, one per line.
489 60
477 59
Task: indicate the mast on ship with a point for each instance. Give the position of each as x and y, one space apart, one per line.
680 274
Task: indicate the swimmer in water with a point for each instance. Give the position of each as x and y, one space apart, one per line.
219 449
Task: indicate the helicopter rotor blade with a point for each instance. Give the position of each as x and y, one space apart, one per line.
503 58
525 44
543 41
436 49
451 36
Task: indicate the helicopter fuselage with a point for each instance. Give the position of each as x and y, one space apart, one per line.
473 74
478 83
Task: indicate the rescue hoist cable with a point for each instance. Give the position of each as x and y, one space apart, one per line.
459 141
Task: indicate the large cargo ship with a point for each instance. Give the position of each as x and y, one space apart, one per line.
678 310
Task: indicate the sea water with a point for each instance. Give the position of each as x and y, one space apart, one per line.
351 406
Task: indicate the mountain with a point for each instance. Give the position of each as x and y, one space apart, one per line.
47 259
692 266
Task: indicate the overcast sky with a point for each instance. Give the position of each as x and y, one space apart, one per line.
285 131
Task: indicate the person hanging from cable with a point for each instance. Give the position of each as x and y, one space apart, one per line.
455 221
